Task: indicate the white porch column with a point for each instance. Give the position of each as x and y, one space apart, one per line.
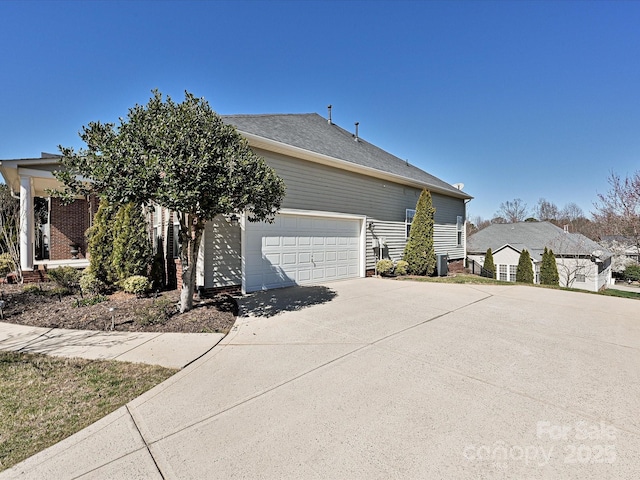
26 223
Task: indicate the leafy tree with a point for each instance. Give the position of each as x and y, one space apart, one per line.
100 244
512 211
632 273
524 272
419 251
181 156
10 228
549 268
489 266
131 254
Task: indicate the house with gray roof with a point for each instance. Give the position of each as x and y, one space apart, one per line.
582 263
348 203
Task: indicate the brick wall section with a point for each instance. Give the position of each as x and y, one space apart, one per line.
68 226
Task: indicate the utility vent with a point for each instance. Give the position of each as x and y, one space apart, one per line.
356 138
329 119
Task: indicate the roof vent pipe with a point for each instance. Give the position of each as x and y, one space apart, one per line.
356 135
329 120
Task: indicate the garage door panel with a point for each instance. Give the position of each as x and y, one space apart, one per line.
304 257
331 272
300 249
304 241
271 259
289 259
304 275
289 241
271 241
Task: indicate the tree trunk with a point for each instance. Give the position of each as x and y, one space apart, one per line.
191 230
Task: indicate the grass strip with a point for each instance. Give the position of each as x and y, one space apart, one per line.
45 399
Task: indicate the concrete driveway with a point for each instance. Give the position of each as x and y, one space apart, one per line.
374 378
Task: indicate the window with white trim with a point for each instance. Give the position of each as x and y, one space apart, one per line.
408 219
581 277
502 269
513 269
459 226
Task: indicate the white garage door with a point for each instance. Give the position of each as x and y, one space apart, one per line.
298 249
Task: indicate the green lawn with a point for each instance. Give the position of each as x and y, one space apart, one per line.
475 279
460 278
612 292
46 399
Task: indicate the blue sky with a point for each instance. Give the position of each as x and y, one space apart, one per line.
514 99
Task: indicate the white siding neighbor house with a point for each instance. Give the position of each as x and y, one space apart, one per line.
347 204
582 263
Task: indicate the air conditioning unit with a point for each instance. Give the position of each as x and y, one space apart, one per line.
442 265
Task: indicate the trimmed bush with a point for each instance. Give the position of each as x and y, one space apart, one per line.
100 244
524 273
131 246
419 251
32 288
489 266
6 264
384 267
90 284
136 284
402 267
549 269
632 273
66 278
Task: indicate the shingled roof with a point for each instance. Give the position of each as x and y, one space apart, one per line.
534 237
311 132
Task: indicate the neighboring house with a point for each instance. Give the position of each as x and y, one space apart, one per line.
581 262
625 250
348 203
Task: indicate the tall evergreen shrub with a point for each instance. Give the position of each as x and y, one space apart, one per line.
419 251
524 272
100 245
549 269
489 266
131 246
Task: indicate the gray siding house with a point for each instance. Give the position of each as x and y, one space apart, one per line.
348 204
581 262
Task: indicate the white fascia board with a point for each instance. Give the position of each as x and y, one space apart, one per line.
32 172
506 245
297 152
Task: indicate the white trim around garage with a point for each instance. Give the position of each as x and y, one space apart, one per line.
319 215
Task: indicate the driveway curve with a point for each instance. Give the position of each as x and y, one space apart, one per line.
374 378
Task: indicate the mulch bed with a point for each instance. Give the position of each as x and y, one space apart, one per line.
119 311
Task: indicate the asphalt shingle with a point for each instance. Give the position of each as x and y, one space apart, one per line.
314 133
537 236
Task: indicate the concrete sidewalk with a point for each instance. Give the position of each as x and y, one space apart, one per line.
377 379
172 350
